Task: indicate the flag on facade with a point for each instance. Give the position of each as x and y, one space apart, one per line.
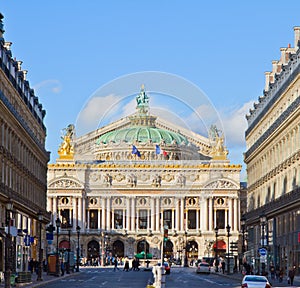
135 151
160 151
157 149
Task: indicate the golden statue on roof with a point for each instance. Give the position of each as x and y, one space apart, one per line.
66 148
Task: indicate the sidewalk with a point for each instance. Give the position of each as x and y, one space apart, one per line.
239 277
46 279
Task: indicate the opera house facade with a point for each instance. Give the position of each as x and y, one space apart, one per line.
141 184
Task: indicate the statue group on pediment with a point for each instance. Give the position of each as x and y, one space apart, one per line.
107 179
180 179
131 180
156 181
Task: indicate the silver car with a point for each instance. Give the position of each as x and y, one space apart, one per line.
203 267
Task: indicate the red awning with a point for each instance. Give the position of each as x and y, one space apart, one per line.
221 245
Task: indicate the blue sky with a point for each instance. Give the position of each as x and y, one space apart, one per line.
72 49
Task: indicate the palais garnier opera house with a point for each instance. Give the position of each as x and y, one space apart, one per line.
128 183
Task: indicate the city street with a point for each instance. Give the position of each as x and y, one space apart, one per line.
180 277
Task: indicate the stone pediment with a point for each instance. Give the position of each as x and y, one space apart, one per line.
65 182
221 184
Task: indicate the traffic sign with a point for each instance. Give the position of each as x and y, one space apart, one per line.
262 251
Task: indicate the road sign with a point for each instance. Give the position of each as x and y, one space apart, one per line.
262 251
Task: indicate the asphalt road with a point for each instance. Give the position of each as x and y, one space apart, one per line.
90 277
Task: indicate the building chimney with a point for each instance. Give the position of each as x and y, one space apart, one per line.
296 37
267 82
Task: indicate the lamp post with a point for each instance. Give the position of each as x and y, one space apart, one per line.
57 223
228 235
69 249
8 248
216 253
185 252
243 226
263 221
39 278
77 258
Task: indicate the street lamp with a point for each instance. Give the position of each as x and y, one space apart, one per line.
216 252
228 235
185 252
69 249
263 221
243 226
8 248
40 217
57 223
77 258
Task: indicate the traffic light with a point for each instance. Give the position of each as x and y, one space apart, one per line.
50 228
166 235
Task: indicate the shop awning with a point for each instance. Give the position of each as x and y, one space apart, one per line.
221 245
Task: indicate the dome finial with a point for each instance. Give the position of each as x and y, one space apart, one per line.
142 101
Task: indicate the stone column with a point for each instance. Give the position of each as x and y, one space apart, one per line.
74 202
177 215
79 212
128 214
211 221
157 215
103 218
99 219
108 216
197 220
133 226
152 211
173 219
182 228
83 210
235 214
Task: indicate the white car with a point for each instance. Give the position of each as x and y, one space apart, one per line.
255 281
203 267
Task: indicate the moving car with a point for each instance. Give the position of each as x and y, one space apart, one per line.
255 281
203 267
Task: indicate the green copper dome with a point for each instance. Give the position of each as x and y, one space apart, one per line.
142 134
142 128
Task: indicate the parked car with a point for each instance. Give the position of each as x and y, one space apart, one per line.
167 267
203 267
255 281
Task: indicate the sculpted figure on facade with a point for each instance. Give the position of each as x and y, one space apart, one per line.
180 179
131 180
218 151
66 148
107 179
156 181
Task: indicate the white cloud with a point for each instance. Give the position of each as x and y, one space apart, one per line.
95 111
235 124
54 85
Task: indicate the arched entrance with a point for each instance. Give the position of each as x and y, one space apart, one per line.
118 248
192 251
64 245
168 249
93 252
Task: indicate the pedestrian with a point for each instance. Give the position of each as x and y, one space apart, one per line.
62 268
291 275
272 271
223 266
126 265
280 275
116 264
